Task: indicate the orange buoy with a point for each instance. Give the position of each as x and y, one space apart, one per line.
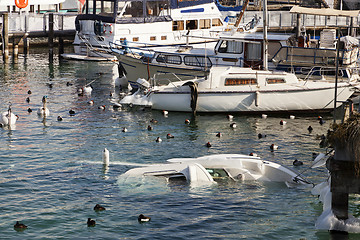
21 3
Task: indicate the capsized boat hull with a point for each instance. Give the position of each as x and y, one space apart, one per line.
233 166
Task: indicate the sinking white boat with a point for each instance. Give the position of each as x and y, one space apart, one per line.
234 89
208 169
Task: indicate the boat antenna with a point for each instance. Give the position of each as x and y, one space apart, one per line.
336 72
265 42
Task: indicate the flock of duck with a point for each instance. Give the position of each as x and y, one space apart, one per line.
8 118
90 222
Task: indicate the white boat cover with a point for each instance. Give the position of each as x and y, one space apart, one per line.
324 11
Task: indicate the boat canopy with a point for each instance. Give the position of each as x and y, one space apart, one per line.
324 11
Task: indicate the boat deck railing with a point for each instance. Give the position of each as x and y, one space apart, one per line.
329 73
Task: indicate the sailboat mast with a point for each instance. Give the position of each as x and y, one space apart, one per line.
265 42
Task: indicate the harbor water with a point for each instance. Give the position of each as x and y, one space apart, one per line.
52 173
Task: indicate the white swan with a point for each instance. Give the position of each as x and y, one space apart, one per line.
43 111
8 118
87 90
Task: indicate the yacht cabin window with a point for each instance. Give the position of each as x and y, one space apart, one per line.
205 23
168 58
198 61
240 81
216 22
178 25
275 80
230 47
253 51
191 24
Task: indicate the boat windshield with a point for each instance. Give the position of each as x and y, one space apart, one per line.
142 8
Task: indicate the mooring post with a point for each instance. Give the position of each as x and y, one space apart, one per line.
15 50
5 36
298 25
51 37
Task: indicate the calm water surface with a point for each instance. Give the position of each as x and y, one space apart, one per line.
51 172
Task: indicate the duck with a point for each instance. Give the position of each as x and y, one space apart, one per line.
218 134
158 139
297 163
233 125
230 117
253 154
91 222
71 112
149 128
29 92
124 129
91 102
282 122
8 117
153 121
102 107
169 136
29 110
27 99
310 129
273 147
44 111
59 118
263 116
165 113
208 144
98 207
142 218
19 225
261 136
292 117
187 121
69 84
321 121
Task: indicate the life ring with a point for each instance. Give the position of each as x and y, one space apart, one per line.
108 28
21 3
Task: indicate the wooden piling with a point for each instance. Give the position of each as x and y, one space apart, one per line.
51 37
5 37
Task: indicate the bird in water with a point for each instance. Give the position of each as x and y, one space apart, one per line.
321 121
273 147
143 218
233 125
71 112
297 163
29 110
29 92
59 118
158 139
19 225
44 111
98 207
169 136
310 129
218 134
261 136
165 113
153 121
282 122
124 129
149 128
91 222
187 121
208 144
230 117
27 99
8 118
253 154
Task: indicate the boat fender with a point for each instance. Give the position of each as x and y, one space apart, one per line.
21 3
257 98
194 95
143 83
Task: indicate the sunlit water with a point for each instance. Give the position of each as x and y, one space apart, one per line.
51 172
